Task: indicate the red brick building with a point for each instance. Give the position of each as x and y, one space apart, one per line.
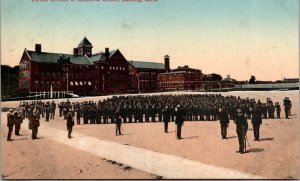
144 75
182 78
84 72
80 73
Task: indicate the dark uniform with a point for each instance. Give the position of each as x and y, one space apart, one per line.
34 124
10 124
224 121
70 123
256 122
18 121
118 122
166 118
179 121
241 130
287 106
278 109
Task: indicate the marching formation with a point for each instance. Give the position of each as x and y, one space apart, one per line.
156 108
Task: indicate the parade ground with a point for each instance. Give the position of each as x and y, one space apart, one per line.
144 151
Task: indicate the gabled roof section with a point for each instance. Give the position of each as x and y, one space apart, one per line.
45 57
100 56
85 42
147 65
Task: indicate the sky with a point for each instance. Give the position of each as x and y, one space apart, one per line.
239 38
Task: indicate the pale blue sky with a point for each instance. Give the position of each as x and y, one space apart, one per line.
236 37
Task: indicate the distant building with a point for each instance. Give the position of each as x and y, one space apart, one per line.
290 80
144 75
229 79
182 78
84 72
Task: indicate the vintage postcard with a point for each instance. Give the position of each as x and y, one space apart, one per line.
149 89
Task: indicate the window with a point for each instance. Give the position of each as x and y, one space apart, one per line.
76 83
89 83
36 84
71 82
58 84
84 82
102 67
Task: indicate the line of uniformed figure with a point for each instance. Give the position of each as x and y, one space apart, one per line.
166 108
153 108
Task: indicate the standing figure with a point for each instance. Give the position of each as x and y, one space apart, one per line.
18 121
224 121
256 122
10 124
47 110
179 121
53 109
241 130
34 123
278 109
70 123
118 122
287 106
166 117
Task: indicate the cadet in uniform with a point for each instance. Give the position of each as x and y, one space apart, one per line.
256 122
118 122
278 109
179 121
10 124
166 118
241 130
287 105
70 122
224 121
34 123
18 121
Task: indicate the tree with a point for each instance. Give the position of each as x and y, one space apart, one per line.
216 77
9 81
252 80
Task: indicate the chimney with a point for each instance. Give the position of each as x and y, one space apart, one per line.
75 51
38 48
167 63
106 53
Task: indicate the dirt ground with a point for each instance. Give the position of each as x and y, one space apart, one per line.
275 156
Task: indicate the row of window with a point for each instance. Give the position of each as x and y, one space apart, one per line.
147 73
24 74
59 75
24 65
24 83
171 84
174 76
47 84
81 83
115 68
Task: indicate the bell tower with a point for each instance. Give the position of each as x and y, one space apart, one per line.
84 47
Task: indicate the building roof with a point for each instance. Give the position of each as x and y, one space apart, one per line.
185 68
147 65
85 42
100 56
53 57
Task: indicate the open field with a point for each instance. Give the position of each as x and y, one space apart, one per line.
145 151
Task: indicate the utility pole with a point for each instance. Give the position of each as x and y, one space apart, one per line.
67 75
